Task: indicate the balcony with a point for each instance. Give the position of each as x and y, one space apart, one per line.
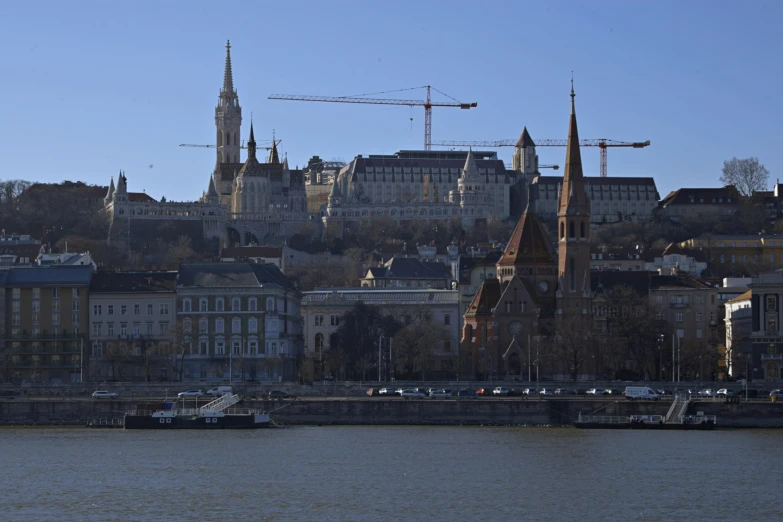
678 305
771 357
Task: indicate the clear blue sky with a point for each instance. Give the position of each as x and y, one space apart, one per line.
89 88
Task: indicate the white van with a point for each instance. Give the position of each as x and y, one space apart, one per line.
220 390
641 392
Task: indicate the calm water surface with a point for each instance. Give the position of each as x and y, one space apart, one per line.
391 473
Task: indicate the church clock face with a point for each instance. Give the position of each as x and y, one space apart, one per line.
543 287
515 327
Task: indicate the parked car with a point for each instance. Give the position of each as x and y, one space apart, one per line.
190 393
610 391
777 394
465 393
706 393
594 391
514 392
412 394
102 394
544 391
565 391
724 392
327 378
279 394
529 391
373 392
386 391
484 392
440 394
217 391
500 390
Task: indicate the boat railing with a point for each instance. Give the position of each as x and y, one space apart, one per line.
221 403
196 411
699 419
603 419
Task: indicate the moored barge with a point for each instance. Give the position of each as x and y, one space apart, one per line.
218 414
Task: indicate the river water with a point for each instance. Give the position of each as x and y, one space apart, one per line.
390 473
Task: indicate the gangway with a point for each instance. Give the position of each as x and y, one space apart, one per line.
220 404
678 409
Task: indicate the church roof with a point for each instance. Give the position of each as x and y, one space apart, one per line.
227 171
335 192
470 170
529 243
211 192
525 140
486 298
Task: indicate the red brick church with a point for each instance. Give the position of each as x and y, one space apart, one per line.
514 320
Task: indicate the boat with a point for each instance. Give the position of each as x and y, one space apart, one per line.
218 414
645 422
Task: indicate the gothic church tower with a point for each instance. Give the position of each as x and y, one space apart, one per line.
573 224
228 117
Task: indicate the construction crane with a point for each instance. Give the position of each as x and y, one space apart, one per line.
602 143
277 142
428 104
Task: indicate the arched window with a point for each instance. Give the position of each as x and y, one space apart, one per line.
252 325
187 326
236 325
571 233
319 342
562 230
203 306
219 139
203 325
582 229
236 305
252 304
270 305
219 326
228 138
219 304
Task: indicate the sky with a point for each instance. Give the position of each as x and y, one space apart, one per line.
91 88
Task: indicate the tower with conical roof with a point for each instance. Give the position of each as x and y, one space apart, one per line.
110 193
228 117
474 198
573 231
525 159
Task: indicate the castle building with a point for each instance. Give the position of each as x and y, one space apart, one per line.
465 185
537 291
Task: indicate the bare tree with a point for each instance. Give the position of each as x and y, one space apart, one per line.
747 175
573 347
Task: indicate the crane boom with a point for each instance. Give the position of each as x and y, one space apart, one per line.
428 104
602 143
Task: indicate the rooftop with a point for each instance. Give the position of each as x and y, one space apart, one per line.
143 282
231 275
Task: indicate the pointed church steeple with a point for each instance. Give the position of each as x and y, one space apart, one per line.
110 192
251 143
228 76
211 196
470 170
274 158
573 198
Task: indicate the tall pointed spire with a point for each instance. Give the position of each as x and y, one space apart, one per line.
110 192
251 143
211 191
273 156
470 170
572 195
228 76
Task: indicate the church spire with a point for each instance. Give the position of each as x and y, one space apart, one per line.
274 158
573 198
470 170
228 77
251 143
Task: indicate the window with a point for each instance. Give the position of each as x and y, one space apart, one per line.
36 293
150 309
16 293
236 346
447 346
164 328
712 317
55 319
334 320
447 319
582 229
270 305
733 258
123 309
236 305
124 329
252 325
186 304
772 325
75 306
219 326
202 304
236 325
137 329
164 309
252 304
319 320
16 320
97 310
110 329
571 234
678 317
36 320
203 347
572 274
74 293
698 333
203 325
55 293
219 304
698 317
110 309
220 347
252 347
136 309
149 328
771 303
659 316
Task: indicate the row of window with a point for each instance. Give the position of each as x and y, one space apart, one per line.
236 325
16 293
36 306
334 320
16 319
220 306
149 329
97 309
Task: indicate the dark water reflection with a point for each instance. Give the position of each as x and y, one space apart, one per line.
391 473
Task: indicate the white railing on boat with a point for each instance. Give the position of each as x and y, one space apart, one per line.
195 411
603 419
220 404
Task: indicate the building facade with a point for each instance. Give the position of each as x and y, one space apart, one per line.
700 203
322 312
46 321
766 338
239 321
133 326
727 251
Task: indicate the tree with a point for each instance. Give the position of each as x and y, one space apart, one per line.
357 338
747 175
415 345
573 347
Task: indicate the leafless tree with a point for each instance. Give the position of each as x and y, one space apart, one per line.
748 175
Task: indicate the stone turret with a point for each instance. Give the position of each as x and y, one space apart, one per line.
109 193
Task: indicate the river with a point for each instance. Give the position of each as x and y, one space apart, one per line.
391 473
